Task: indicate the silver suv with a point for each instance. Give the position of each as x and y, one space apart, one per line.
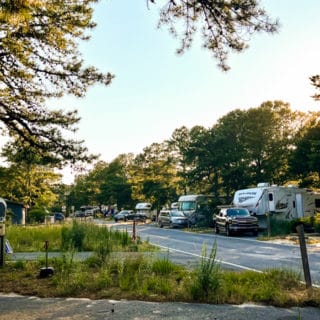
172 218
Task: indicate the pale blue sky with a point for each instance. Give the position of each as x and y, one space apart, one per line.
156 91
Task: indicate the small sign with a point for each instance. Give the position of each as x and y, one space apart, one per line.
8 247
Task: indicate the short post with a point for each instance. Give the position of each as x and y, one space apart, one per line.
46 246
134 230
304 256
46 271
268 224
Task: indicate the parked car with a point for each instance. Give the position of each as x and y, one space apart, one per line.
58 216
232 220
172 218
126 215
79 214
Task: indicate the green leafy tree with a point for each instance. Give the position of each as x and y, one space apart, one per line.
153 176
116 188
106 183
27 179
305 160
229 152
200 158
269 134
178 146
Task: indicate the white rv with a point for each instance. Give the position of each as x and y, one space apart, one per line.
195 207
287 202
144 208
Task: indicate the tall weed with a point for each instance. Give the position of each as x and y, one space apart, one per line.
206 276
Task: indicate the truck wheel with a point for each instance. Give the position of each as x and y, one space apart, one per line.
217 229
255 233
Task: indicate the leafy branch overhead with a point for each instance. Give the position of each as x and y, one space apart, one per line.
226 25
315 81
39 60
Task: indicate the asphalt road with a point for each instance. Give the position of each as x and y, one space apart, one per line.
236 252
31 308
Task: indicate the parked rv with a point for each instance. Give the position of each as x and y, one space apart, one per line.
195 208
287 202
145 209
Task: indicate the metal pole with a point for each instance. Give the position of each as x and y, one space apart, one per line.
304 256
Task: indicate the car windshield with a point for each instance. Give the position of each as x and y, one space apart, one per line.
238 212
177 214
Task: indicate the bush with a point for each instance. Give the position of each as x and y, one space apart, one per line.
36 215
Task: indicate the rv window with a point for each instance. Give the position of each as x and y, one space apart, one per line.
270 196
187 205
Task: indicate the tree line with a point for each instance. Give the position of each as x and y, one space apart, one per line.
269 143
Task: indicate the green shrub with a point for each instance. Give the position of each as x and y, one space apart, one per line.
36 215
163 266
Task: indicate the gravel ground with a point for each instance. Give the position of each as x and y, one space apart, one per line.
33 308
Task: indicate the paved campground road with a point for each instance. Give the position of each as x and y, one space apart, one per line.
14 307
236 252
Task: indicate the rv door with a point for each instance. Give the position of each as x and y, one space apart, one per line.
272 206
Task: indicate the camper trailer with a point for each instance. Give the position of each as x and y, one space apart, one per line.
288 202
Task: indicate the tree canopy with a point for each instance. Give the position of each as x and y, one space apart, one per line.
39 60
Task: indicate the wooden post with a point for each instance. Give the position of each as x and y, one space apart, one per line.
2 244
304 256
2 251
134 230
268 224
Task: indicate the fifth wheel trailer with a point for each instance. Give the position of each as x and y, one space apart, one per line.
286 202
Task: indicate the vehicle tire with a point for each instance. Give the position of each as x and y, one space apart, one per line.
228 232
217 229
255 233
124 219
116 220
160 225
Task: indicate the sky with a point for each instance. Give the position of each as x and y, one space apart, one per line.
156 91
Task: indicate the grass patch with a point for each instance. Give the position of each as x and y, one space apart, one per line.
79 236
133 275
